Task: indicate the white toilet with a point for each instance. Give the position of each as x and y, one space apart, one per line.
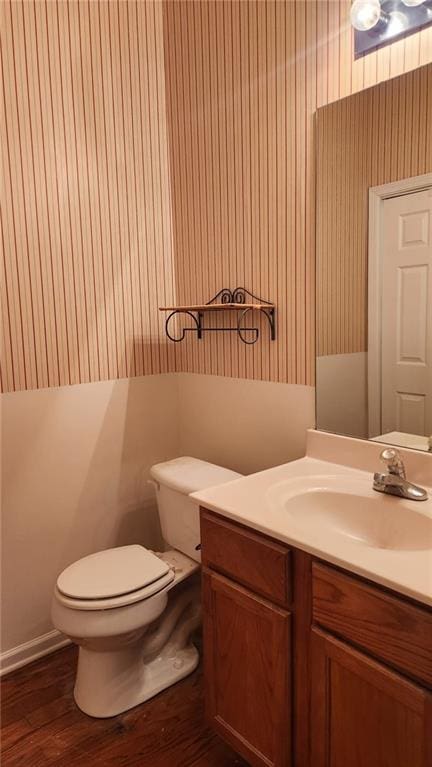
132 611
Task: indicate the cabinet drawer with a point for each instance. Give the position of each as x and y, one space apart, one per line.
257 562
397 632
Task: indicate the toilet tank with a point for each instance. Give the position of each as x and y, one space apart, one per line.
178 513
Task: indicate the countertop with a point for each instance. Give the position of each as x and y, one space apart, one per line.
250 501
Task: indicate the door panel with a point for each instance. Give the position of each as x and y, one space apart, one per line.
363 714
406 358
247 659
412 295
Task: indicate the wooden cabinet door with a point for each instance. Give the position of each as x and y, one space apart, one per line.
247 658
363 714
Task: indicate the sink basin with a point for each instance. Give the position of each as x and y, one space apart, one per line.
348 508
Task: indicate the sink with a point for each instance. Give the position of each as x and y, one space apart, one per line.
348 508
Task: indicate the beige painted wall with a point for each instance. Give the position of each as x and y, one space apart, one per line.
75 464
245 425
341 394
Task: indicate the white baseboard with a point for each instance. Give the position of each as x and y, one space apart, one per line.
30 651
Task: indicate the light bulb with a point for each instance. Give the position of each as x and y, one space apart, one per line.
397 23
412 3
365 14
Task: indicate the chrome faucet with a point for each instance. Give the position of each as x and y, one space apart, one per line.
395 481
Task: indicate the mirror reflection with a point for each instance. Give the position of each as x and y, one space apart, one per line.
374 263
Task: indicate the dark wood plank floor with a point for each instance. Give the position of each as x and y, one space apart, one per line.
42 727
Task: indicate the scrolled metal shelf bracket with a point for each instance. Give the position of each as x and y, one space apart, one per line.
269 313
237 299
197 318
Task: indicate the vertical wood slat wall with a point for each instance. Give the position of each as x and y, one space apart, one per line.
381 135
110 205
86 223
243 82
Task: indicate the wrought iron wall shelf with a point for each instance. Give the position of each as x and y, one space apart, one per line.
238 300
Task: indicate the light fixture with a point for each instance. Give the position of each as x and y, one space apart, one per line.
380 22
366 14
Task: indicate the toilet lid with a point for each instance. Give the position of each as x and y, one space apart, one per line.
111 573
188 475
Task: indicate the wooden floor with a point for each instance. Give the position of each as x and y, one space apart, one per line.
42 727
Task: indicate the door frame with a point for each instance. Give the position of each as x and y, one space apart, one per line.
377 195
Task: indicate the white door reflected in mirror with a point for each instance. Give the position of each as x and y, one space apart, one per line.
406 309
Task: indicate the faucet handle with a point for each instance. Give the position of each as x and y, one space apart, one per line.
393 460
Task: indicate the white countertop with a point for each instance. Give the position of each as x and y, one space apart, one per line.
250 501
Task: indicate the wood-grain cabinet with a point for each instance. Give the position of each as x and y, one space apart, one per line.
306 665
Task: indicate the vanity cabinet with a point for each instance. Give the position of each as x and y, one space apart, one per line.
307 665
364 714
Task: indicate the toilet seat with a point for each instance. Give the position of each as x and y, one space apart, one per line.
122 601
113 578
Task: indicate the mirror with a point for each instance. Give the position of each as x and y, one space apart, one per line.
374 263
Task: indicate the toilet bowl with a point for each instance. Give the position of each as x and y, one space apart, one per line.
132 611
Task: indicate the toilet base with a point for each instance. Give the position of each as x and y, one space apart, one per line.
122 693
117 674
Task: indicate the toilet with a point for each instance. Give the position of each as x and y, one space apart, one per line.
132 611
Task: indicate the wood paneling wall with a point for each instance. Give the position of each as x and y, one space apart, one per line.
243 82
90 175
381 135
86 222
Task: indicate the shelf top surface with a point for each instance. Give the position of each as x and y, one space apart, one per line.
214 307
